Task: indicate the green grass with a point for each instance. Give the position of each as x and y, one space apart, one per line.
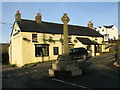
13 65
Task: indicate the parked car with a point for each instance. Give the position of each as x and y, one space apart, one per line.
76 53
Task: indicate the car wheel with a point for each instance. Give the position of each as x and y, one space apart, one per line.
84 57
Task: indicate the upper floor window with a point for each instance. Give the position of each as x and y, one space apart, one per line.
56 50
34 38
114 38
102 30
96 39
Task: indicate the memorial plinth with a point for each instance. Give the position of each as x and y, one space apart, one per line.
65 66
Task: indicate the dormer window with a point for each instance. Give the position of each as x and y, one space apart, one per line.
102 30
34 38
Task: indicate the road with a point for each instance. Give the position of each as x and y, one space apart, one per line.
99 72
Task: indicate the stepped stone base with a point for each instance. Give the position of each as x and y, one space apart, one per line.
65 68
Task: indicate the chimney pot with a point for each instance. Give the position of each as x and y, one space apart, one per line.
17 11
17 16
38 18
90 24
37 14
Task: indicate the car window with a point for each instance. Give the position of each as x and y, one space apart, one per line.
71 51
74 50
81 49
77 50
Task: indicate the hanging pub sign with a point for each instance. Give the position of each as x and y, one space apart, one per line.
106 37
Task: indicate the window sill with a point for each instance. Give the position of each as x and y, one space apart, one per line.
41 56
35 41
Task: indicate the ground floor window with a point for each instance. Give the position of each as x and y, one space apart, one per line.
55 49
88 47
98 48
41 50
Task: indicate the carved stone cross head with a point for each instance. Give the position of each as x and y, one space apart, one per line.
65 18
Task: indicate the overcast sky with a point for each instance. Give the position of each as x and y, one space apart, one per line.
80 13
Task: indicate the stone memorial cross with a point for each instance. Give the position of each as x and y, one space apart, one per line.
65 20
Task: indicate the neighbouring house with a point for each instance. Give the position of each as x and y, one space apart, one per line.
38 41
109 32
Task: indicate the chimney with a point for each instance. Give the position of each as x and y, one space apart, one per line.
17 16
38 18
90 25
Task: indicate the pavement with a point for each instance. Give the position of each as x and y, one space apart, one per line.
98 72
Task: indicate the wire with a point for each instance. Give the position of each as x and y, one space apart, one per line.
5 23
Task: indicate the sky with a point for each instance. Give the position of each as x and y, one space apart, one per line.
80 13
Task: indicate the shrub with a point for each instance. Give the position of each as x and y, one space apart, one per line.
75 41
103 42
50 40
13 65
61 40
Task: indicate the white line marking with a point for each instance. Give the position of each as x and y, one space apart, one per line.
68 83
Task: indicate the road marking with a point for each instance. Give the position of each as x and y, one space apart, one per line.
69 83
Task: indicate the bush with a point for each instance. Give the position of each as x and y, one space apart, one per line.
50 40
75 41
61 40
13 65
103 42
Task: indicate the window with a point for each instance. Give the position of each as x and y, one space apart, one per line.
34 37
102 30
77 50
97 48
55 50
41 50
88 47
114 38
69 38
95 39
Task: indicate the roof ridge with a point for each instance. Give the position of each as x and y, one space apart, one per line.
54 23
108 25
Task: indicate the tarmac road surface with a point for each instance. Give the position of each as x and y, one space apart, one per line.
99 72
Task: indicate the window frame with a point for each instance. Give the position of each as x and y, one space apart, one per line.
54 52
42 47
102 30
34 38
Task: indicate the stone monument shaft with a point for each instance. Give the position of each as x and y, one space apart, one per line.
65 20
65 66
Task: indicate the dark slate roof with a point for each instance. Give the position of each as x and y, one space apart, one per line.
86 41
55 28
108 26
